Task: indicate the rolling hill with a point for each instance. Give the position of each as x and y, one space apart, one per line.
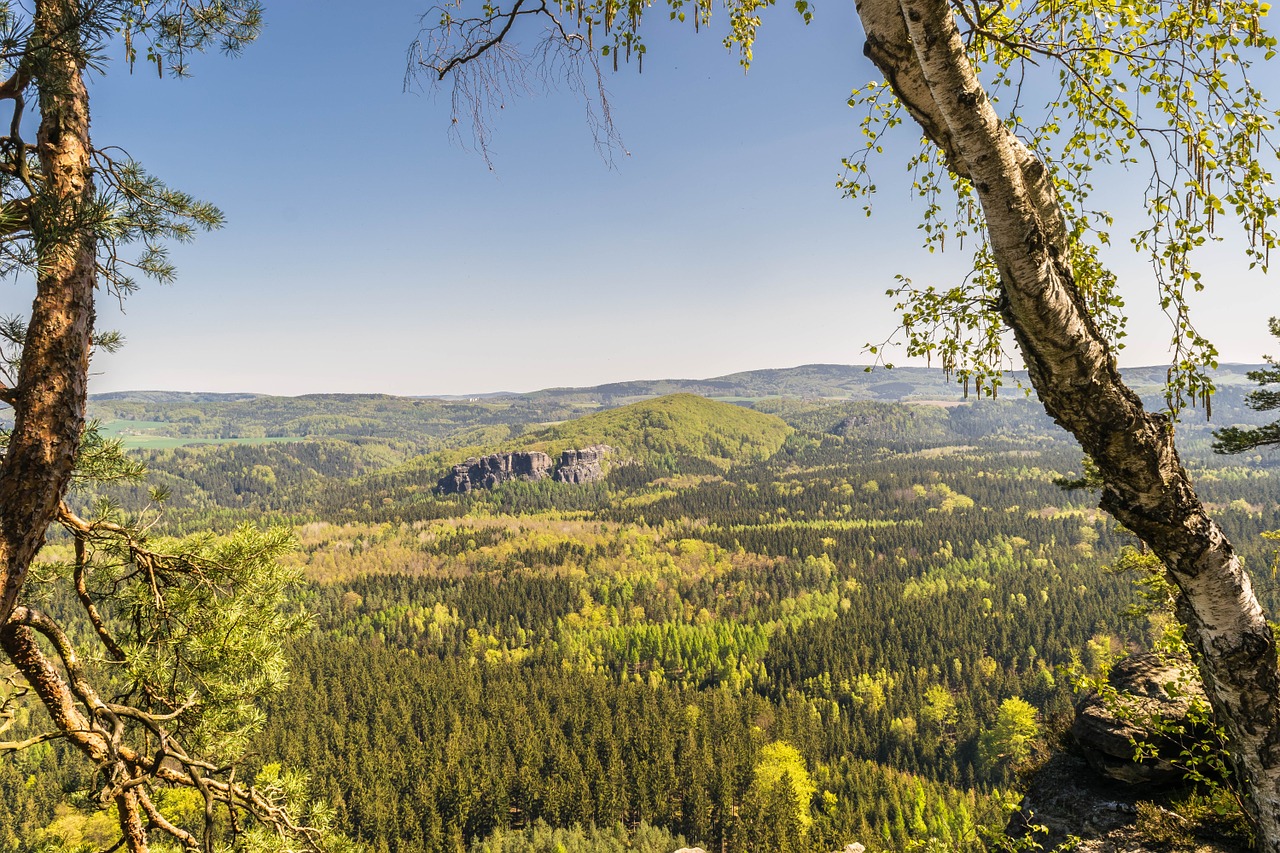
676 426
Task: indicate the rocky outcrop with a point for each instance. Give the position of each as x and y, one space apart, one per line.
582 466
1102 816
488 471
1111 811
576 466
1147 687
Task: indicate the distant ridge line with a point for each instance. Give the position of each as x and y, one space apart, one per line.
808 381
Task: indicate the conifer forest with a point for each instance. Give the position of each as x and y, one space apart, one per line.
1011 595
775 625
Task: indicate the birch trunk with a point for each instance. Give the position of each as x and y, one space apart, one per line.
918 47
49 398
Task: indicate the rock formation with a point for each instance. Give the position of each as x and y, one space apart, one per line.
582 466
576 466
1099 816
487 472
1147 687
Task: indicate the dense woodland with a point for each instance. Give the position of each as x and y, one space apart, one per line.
772 630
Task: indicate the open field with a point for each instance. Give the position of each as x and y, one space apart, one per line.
151 435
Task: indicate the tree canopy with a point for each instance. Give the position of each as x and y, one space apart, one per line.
1160 86
149 657
1239 439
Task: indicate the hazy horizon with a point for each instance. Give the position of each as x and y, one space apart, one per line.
716 243
887 372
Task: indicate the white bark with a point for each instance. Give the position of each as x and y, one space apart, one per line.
918 46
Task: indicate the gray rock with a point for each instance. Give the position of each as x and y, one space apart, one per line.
1147 686
582 466
1071 801
488 471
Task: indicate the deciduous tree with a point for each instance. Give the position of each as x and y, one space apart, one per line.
1158 86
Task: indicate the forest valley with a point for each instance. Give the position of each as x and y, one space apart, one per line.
780 625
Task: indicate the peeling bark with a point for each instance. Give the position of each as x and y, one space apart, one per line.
49 398
918 46
131 828
19 643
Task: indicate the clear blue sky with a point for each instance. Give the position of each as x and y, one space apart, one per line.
366 250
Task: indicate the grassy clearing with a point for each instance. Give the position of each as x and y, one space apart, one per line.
150 435
165 442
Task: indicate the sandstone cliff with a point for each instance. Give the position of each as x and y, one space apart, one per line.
488 471
576 466
582 466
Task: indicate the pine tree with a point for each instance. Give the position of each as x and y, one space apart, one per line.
1240 439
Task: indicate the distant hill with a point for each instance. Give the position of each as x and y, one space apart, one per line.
677 425
409 426
810 381
671 431
172 397
838 382
679 433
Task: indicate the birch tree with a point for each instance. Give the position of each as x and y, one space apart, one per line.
1160 86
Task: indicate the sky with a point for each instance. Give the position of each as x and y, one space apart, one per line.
369 249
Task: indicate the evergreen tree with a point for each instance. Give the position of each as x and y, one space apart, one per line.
190 638
1240 439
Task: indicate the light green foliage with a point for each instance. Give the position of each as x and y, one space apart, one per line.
779 761
955 574
199 623
214 639
1099 653
289 791
993 838
541 838
188 636
1161 89
676 425
939 709
1011 735
74 831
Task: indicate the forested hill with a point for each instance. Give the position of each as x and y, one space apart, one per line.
675 426
831 382
402 427
375 457
882 603
809 381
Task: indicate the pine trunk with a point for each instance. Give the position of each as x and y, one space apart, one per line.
918 47
49 398
133 832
